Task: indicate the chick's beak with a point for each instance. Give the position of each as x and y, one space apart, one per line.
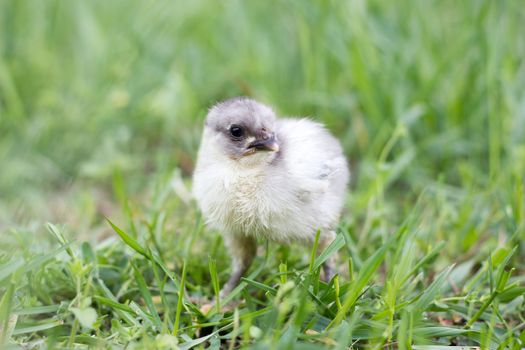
268 143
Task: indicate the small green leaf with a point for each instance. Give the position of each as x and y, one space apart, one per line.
193 343
86 316
510 293
87 252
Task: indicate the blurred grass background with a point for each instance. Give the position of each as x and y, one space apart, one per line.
101 101
87 89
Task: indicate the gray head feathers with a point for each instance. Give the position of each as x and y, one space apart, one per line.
242 111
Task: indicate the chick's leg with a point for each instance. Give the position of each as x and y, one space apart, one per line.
242 250
329 269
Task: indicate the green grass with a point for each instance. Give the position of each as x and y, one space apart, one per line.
101 109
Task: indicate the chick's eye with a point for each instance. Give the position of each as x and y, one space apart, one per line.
236 131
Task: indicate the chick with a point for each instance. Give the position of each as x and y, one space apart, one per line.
262 177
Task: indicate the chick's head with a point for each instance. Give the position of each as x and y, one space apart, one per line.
243 130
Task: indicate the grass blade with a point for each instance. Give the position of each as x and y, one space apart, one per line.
215 282
333 248
259 285
38 328
365 275
180 300
130 241
19 266
314 252
5 313
60 238
147 298
114 304
37 310
10 268
431 292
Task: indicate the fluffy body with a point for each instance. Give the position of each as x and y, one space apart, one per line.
284 196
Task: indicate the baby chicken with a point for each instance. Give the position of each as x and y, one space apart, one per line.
262 177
